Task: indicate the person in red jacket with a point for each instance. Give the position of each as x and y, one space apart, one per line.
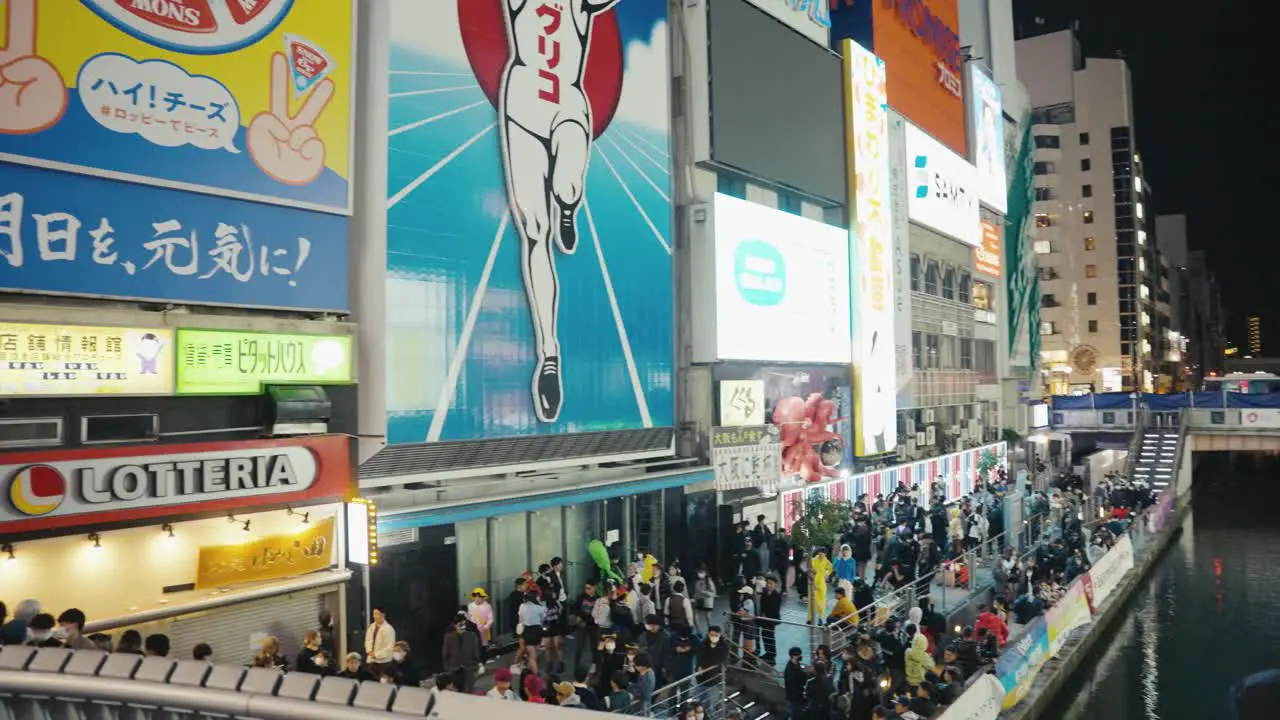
991 621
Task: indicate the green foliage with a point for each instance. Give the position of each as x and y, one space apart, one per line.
1010 436
986 463
820 523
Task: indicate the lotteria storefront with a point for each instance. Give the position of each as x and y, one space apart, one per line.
215 542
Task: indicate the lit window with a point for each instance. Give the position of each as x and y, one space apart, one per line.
1042 220
1142 264
1146 319
1137 184
1088 217
1142 237
1138 210
1048 328
1043 247
1091 271
1143 292
1090 244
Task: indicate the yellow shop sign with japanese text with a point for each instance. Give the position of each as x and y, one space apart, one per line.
85 360
268 558
244 98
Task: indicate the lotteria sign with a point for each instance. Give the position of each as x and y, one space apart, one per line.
46 491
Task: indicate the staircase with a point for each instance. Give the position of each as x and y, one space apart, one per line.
1157 458
651 529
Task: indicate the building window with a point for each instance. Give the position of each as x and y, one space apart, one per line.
917 350
949 284
1048 301
1043 221
1086 191
982 296
1084 138
932 355
966 354
1090 244
1045 168
1044 194
1048 328
931 277
1091 271
1088 217
1043 247
790 203
1086 165
963 292
1091 298
1093 326
729 185
1048 141
915 272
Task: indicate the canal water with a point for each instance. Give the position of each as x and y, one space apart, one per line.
1209 614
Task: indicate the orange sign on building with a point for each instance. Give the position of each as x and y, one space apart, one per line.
919 41
986 259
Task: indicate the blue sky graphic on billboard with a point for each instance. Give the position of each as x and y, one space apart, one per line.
528 219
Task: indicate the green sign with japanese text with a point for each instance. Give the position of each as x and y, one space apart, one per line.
235 362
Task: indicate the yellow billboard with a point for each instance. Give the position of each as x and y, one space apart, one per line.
267 558
85 360
247 99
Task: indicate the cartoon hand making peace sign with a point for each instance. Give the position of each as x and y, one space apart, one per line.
285 146
32 94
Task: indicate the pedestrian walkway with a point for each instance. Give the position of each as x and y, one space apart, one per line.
795 631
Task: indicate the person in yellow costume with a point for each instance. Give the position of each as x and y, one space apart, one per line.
820 568
648 567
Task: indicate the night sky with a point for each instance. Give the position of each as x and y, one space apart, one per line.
1206 117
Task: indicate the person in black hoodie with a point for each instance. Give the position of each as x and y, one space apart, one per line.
610 658
922 704
313 658
967 655
893 648
655 643
794 678
715 651
817 693
770 609
865 673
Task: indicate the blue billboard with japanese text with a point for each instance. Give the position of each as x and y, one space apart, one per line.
72 234
529 277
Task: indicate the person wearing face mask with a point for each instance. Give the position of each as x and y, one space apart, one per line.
655 644
714 653
460 653
70 630
704 599
40 631
609 663
402 671
312 658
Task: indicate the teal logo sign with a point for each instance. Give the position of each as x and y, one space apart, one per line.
760 273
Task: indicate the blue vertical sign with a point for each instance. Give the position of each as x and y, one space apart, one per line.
528 219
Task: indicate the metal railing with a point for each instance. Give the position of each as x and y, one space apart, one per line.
705 688
61 683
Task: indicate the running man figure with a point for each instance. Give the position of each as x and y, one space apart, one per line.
545 122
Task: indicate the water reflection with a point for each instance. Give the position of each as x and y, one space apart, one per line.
1207 617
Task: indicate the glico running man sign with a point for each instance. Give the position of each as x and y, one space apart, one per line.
62 489
529 230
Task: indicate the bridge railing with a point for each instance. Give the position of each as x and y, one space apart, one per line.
60 683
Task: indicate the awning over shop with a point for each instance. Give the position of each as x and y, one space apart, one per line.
462 512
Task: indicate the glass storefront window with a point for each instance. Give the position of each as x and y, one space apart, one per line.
473 556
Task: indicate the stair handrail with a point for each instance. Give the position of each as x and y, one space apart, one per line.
694 688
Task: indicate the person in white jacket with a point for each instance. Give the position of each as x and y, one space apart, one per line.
379 641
